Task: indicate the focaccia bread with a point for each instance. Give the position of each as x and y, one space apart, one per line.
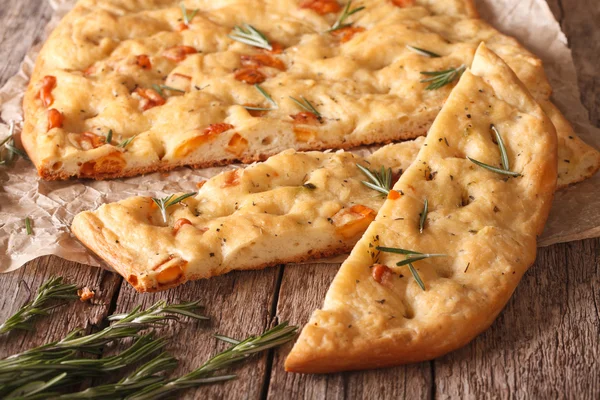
293 207
124 87
480 226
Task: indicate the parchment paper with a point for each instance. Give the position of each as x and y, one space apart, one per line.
52 205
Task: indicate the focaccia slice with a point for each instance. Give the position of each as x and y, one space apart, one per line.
483 224
127 87
293 207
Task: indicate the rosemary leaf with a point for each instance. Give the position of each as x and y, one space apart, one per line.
266 95
124 326
239 351
108 138
168 201
415 275
172 89
423 216
28 227
144 376
503 154
52 289
494 169
412 256
423 52
248 34
158 90
8 144
307 105
186 17
396 250
126 142
347 12
409 260
381 181
439 79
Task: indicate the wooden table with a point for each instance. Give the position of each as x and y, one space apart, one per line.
544 345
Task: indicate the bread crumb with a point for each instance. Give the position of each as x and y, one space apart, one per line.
85 294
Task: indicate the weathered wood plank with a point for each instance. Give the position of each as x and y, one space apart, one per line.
579 21
302 290
22 23
239 304
19 287
545 343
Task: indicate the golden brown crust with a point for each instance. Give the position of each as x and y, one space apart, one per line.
450 28
485 226
47 174
263 215
112 253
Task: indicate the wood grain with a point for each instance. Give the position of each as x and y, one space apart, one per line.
20 286
239 304
303 289
545 344
23 22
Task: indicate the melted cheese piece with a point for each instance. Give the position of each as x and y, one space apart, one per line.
375 314
98 69
293 207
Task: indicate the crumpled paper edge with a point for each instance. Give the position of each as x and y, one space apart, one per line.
55 209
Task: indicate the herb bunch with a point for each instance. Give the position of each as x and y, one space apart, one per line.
60 362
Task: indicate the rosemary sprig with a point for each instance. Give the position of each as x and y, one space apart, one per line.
423 216
307 105
505 170
32 389
52 289
9 145
347 12
44 362
422 52
442 78
28 228
141 378
76 368
126 325
416 276
494 169
126 142
268 97
381 180
250 35
169 201
186 17
239 351
412 256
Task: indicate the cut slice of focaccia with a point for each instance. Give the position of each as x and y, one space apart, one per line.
293 207
441 261
127 87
